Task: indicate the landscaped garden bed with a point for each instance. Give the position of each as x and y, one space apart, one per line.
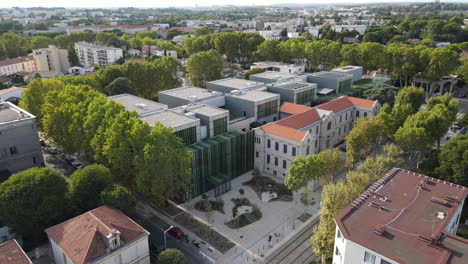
210 205
203 231
243 219
262 184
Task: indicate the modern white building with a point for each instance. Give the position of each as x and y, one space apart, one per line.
306 130
404 217
100 236
356 71
51 59
90 54
279 67
20 64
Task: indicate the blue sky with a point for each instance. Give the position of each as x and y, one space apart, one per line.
173 3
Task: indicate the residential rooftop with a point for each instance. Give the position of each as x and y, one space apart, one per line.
344 102
404 216
82 238
140 105
12 253
11 61
10 112
191 93
170 119
254 95
236 83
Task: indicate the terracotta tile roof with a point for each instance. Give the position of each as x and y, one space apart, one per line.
293 109
284 132
300 120
82 238
344 102
397 217
12 253
16 60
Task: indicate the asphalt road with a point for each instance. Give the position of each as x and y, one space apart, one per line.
157 238
55 161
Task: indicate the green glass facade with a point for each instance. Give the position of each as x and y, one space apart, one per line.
345 85
188 135
267 109
304 97
220 159
220 126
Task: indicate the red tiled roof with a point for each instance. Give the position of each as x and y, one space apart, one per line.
284 132
12 253
293 109
300 120
82 238
16 60
406 214
344 102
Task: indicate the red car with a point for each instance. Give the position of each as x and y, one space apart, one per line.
176 232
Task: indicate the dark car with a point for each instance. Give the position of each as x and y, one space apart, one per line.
176 232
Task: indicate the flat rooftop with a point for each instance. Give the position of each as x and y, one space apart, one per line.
255 95
9 112
237 83
191 93
138 104
208 110
265 64
170 118
291 85
331 75
274 75
347 68
399 215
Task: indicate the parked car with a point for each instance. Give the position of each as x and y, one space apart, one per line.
77 164
53 150
176 232
70 158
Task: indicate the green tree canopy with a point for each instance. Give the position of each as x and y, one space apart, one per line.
119 86
41 42
87 184
32 200
253 71
203 67
172 256
118 197
454 161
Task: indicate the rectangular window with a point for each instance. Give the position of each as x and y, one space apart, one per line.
285 148
329 125
294 151
346 117
341 118
276 161
365 114
307 152
34 160
13 150
256 154
357 113
316 130
284 164
188 135
369 258
268 159
268 143
220 126
383 261
338 233
304 97
267 109
276 146
316 143
337 252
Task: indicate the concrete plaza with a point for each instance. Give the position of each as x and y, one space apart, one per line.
279 218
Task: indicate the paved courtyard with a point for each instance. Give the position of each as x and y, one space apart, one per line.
279 218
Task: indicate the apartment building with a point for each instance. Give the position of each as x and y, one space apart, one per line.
100 236
20 64
403 218
19 140
51 59
90 54
307 130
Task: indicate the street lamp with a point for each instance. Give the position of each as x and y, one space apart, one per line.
165 246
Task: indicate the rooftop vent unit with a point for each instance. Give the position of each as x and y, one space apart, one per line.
424 239
379 230
441 215
140 105
451 199
439 200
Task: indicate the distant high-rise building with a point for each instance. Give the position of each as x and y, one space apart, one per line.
90 54
51 59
